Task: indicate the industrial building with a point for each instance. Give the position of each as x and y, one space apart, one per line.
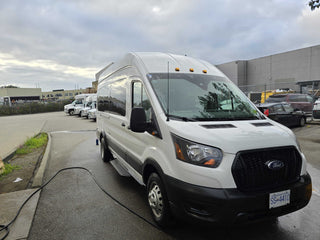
21 94
297 70
60 94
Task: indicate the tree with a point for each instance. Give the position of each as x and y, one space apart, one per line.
9 86
314 4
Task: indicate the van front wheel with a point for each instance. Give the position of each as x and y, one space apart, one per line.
158 201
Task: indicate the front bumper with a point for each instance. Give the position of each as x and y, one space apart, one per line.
193 202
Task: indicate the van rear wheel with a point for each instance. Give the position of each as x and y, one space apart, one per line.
104 151
158 201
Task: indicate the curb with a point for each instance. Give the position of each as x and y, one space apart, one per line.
8 157
21 228
38 178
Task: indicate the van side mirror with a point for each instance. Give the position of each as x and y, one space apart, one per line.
138 120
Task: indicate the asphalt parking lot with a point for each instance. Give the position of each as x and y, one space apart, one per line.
73 207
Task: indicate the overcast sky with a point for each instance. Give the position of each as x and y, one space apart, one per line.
58 44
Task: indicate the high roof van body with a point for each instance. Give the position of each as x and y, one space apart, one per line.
180 127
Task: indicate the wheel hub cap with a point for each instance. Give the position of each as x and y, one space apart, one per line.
155 200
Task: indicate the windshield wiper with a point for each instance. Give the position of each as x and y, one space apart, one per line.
185 119
214 119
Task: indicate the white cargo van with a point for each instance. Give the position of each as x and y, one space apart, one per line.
204 151
91 102
6 101
79 110
78 102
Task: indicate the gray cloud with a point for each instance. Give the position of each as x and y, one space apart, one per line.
76 38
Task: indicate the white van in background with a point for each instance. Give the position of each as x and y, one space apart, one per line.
5 101
92 114
90 104
180 127
87 101
78 102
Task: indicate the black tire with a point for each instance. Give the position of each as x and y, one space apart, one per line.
71 112
302 122
104 151
158 201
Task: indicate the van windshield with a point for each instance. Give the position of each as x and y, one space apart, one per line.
195 97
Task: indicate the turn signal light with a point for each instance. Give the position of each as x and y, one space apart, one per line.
179 152
210 162
204 71
309 191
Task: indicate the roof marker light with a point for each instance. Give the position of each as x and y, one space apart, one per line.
177 69
204 71
191 69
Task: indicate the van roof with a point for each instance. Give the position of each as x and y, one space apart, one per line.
84 95
156 62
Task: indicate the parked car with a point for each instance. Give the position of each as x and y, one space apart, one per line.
283 113
160 120
316 110
303 102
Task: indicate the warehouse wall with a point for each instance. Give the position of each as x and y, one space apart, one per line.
21 92
281 70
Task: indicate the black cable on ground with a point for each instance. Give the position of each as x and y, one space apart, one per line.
6 227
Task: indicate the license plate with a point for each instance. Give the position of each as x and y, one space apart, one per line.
279 199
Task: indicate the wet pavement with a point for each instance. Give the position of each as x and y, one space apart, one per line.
73 207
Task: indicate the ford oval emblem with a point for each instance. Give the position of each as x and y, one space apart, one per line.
274 164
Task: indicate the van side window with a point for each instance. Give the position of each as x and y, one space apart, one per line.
118 97
112 98
140 99
103 98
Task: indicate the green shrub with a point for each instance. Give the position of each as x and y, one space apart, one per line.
28 108
8 168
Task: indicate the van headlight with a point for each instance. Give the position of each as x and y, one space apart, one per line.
196 153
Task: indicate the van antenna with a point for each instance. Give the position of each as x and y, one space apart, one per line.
168 96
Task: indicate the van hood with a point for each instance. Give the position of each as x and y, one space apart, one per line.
68 105
234 136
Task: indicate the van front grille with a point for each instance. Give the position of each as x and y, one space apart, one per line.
251 172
